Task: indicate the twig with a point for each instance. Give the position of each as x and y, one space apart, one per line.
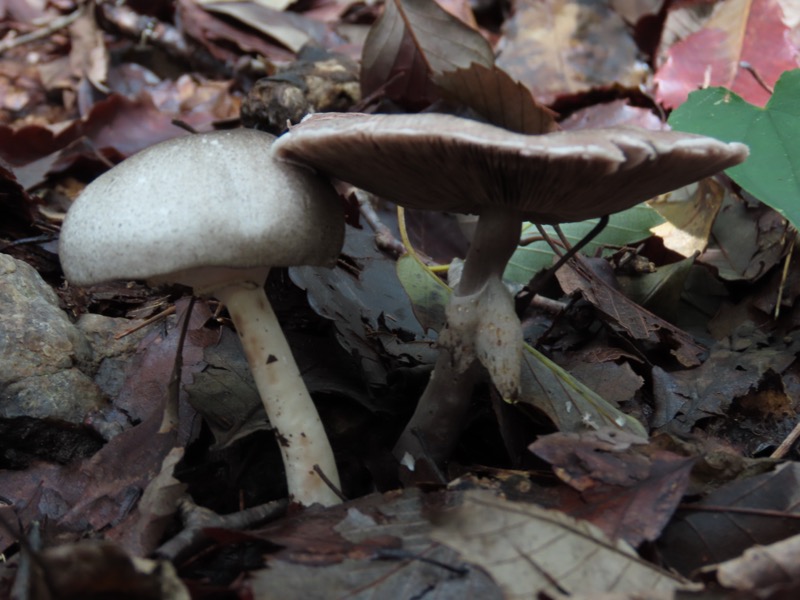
46 31
783 449
329 483
197 519
162 315
384 238
784 275
756 75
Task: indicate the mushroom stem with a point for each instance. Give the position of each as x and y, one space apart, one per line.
481 327
298 428
496 237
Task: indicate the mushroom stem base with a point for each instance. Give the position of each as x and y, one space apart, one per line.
482 328
290 409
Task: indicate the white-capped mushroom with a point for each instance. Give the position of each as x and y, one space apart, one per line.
214 212
441 162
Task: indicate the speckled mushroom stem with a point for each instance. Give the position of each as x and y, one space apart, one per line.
291 411
482 328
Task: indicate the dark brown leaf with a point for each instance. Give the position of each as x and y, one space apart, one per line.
626 315
410 42
627 488
762 509
498 98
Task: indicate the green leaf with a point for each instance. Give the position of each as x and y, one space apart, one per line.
624 228
772 172
429 294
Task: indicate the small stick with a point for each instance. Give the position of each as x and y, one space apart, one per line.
162 315
334 488
383 235
46 31
756 75
783 449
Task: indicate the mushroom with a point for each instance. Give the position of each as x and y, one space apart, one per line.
441 162
214 212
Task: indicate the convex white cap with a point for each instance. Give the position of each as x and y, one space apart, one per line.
207 200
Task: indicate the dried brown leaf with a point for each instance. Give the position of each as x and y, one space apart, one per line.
623 313
410 42
530 550
498 98
735 517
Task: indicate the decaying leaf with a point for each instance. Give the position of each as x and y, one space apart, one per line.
690 213
627 488
378 546
733 518
360 295
685 398
761 567
530 550
637 322
558 48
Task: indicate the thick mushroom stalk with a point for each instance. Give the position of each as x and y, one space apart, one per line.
298 428
482 329
441 162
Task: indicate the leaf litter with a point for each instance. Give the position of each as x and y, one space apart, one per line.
101 84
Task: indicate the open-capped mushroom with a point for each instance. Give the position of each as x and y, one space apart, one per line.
214 212
441 162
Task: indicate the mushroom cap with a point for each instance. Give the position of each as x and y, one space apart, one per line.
207 200
441 162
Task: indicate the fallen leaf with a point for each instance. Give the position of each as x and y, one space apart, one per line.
530 550
690 213
410 42
496 97
736 31
369 548
635 321
628 489
762 566
560 48
733 518
685 397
